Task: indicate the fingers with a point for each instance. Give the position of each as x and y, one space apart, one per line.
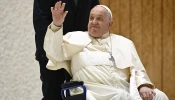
59 6
52 8
147 96
150 95
153 92
58 13
144 96
64 14
147 93
62 6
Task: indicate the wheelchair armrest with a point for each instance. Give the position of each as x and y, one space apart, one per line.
72 83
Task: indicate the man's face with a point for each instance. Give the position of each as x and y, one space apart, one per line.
99 22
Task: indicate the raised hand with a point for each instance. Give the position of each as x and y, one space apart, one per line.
58 13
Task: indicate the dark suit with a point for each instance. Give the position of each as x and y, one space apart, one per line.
76 20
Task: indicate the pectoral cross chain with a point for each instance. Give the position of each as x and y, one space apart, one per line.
112 59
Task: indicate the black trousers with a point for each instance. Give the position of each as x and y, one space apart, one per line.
51 81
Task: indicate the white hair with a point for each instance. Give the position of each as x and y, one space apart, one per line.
109 11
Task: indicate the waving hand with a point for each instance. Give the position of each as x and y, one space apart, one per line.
58 13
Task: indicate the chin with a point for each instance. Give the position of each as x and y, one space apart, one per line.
94 35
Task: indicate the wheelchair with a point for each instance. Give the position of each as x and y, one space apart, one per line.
65 92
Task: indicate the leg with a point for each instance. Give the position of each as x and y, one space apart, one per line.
160 95
42 64
51 81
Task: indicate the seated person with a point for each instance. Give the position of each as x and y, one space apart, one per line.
99 58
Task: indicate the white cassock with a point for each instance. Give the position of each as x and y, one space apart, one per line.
88 59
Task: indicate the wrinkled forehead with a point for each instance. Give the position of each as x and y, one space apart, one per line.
108 10
101 10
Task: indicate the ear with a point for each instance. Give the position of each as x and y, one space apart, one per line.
110 24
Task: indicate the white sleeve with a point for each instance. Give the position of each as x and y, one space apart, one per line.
52 44
61 48
141 76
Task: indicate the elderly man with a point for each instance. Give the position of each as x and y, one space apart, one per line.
101 59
